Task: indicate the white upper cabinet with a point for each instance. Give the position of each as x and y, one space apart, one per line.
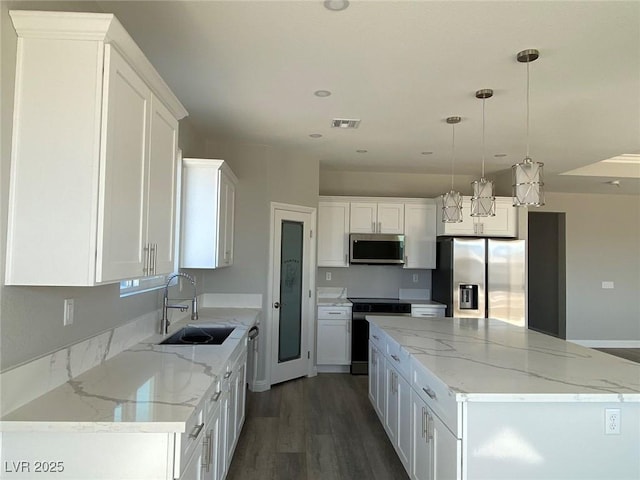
420 235
92 181
333 234
208 202
376 217
503 224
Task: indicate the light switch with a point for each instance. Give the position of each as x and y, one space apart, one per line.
328 276
607 285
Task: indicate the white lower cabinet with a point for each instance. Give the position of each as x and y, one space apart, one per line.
334 336
434 449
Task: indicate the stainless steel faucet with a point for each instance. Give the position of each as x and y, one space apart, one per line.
164 325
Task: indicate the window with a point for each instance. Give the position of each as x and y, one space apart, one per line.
131 287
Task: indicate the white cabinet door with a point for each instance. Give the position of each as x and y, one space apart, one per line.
391 218
333 234
421 452
334 342
161 201
505 221
374 365
208 203
122 210
227 214
373 217
194 469
403 445
420 236
466 227
222 458
391 403
445 446
363 217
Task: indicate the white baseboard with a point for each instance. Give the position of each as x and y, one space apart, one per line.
259 386
608 343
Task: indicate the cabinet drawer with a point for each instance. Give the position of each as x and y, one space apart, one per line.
334 313
428 311
191 438
377 337
435 394
398 357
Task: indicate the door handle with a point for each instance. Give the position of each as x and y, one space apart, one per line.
276 305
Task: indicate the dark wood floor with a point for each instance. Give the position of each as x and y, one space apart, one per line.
632 354
320 428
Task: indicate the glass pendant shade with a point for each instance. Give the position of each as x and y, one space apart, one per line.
528 184
452 207
483 201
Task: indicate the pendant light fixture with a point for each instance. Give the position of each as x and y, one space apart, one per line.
483 202
452 201
527 176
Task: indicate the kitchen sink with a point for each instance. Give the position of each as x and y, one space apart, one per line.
193 335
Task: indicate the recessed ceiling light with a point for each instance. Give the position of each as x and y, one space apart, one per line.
336 5
614 183
500 155
426 153
362 151
322 93
315 135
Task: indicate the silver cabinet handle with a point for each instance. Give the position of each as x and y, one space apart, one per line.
396 358
424 423
216 396
373 227
206 458
334 313
431 393
429 427
348 326
147 259
153 256
379 227
228 374
196 430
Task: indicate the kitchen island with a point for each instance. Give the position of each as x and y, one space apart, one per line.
150 412
483 399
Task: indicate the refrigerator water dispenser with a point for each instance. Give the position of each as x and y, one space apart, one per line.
468 297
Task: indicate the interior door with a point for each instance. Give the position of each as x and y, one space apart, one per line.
291 297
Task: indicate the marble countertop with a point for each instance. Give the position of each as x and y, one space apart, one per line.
490 360
147 388
427 303
333 302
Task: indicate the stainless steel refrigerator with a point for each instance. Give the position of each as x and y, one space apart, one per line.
481 278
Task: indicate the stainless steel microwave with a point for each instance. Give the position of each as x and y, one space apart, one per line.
376 248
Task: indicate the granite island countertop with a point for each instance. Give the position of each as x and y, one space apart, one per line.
146 388
491 360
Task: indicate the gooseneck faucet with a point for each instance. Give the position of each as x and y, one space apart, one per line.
164 325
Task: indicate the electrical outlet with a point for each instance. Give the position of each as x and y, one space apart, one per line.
328 276
68 311
608 285
612 421
415 278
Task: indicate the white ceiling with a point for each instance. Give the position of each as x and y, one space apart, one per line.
248 70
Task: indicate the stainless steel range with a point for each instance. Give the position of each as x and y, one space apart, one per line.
363 307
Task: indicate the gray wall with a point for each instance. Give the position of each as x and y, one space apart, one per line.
390 184
31 317
603 244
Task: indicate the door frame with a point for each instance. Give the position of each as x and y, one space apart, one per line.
309 302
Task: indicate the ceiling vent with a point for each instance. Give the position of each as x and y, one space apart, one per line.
345 123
